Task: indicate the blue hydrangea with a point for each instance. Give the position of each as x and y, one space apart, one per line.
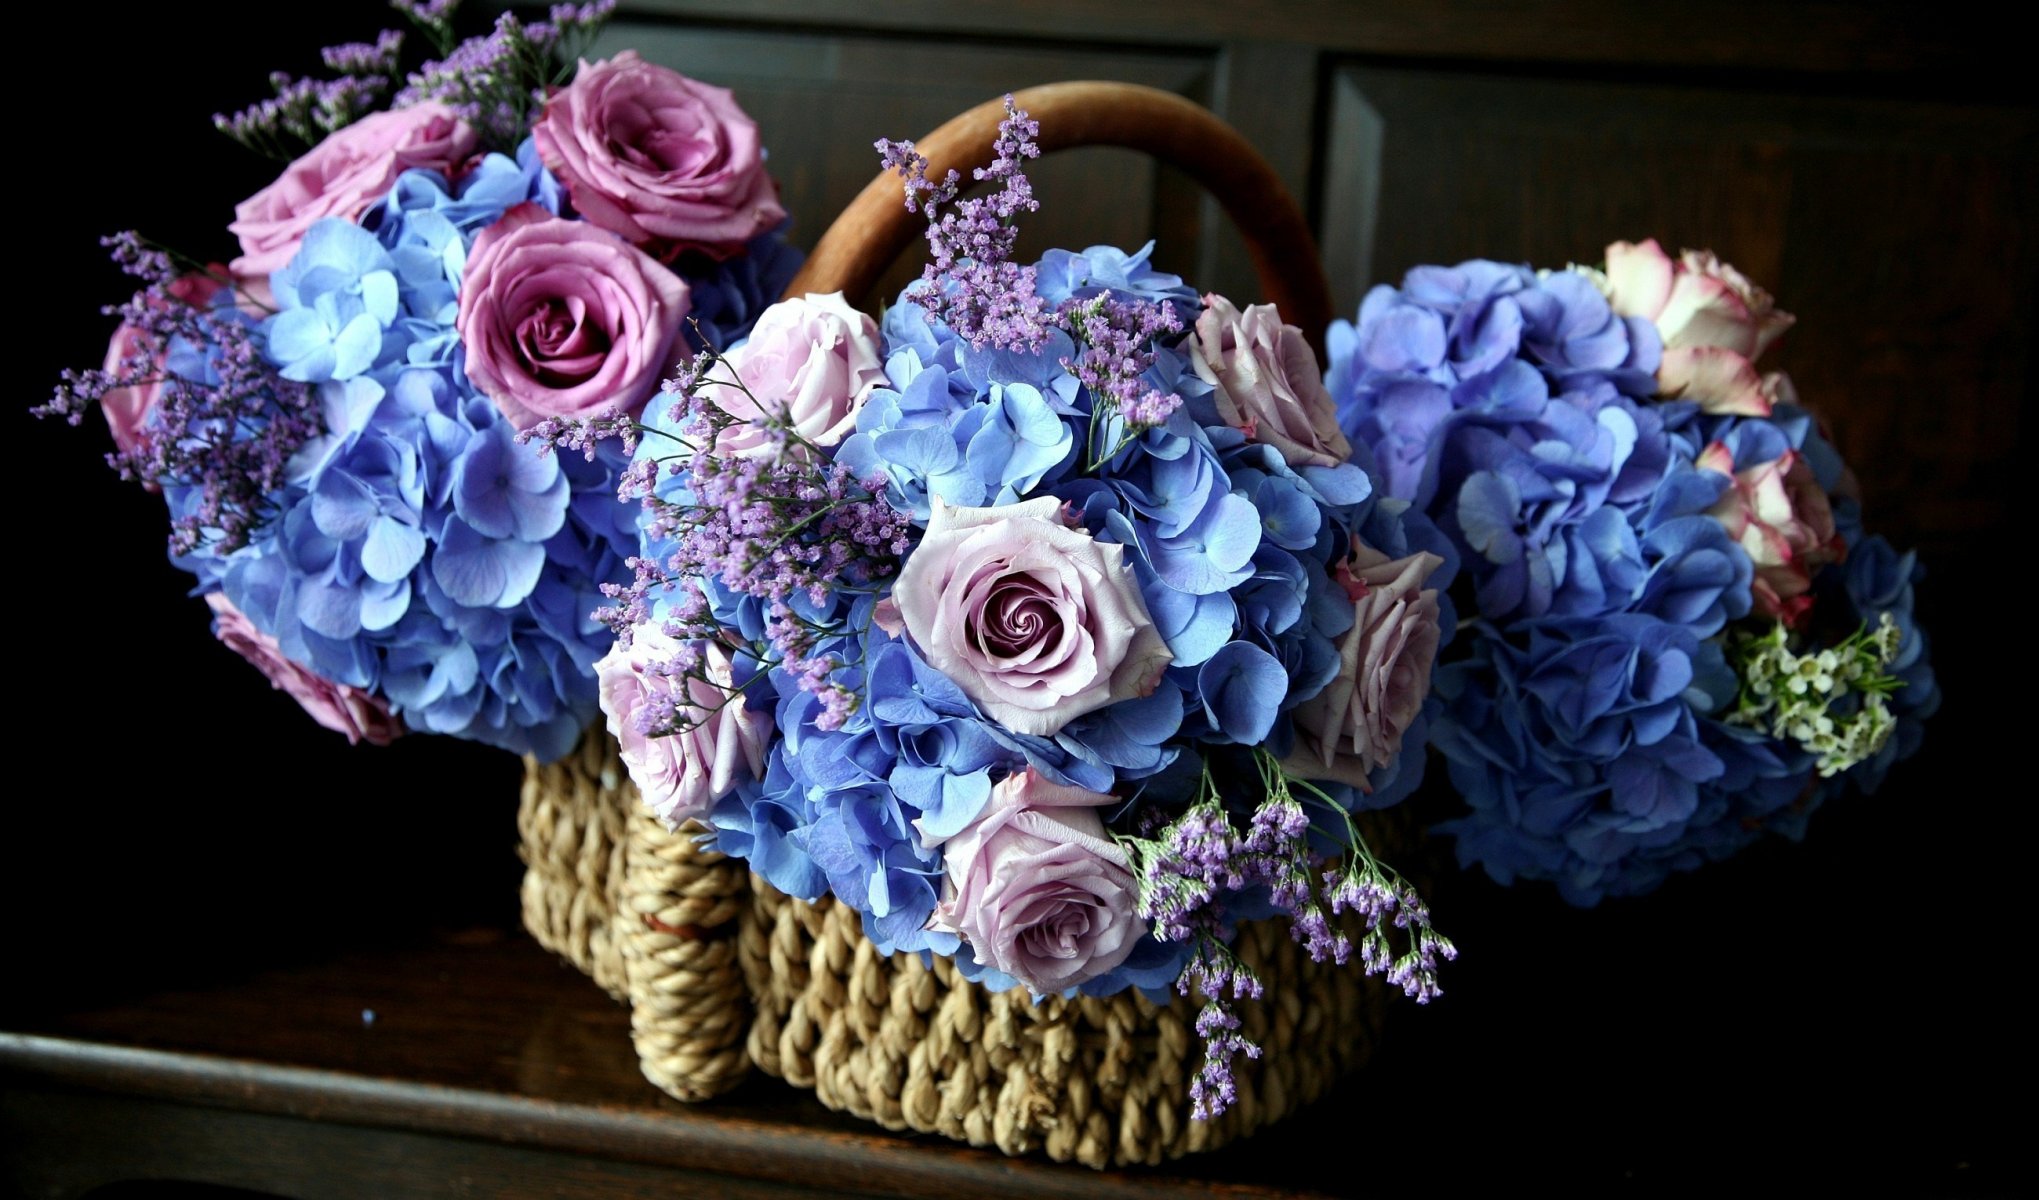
421 552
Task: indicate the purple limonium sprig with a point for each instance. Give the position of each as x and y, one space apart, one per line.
1186 868
774 520
302 113
227 426
499 79
971 284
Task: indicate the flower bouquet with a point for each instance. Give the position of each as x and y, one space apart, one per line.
453 253
1048 637
1684 635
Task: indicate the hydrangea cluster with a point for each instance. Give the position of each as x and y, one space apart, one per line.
1649 530
334 418
948 617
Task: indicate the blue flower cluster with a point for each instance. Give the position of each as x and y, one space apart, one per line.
1586 724
419 552
1232 549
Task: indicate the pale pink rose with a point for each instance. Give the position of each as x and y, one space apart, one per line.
1267 382
1036 622
812 361
1355 725
127 409
1714 323
658 158
338 707
342 176
1780 515
561 319
681 775
1037 888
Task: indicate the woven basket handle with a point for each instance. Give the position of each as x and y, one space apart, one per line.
876 227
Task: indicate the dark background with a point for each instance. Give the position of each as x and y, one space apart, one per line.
1841 1008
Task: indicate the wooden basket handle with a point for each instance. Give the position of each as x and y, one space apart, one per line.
873 230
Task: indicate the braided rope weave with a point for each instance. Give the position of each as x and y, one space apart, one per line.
721 971
645 912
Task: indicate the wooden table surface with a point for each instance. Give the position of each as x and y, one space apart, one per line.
469 1064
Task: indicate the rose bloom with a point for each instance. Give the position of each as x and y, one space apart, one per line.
1714 323
342 176
1268 382
1036 622
1780 515
1038 889
561 319
338 707
127 409
1355 725
658 158
812 360
681 775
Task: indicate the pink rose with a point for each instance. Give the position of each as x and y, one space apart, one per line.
563 320
1713 320
681 775
338 707
658 158
1036 622
1268 382
343 175
1780 515
127 409
1038 889
1355 725
813 360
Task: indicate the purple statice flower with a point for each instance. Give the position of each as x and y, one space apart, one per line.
302 113
498 80
1118 338
375 59
225 425
970 282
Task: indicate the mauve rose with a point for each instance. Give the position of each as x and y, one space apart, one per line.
342 709
1036 622
343 175
1355 725
1038 889
1780 515
813 359
561 319
658 158
1714 323
127 409
681 775
1268 382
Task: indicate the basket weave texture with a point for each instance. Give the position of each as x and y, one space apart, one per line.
722 972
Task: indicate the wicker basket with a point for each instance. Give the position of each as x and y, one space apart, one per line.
722 972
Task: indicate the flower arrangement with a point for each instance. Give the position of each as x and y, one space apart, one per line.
1684 635
451 254
1049 624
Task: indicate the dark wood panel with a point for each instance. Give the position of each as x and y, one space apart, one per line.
1863 38
1894 231
822 98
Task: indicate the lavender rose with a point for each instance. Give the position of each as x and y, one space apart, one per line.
1036 622
563 320
1038 889
812 360
680 775
658 158
342 709
1355 725
1268 382
340 177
